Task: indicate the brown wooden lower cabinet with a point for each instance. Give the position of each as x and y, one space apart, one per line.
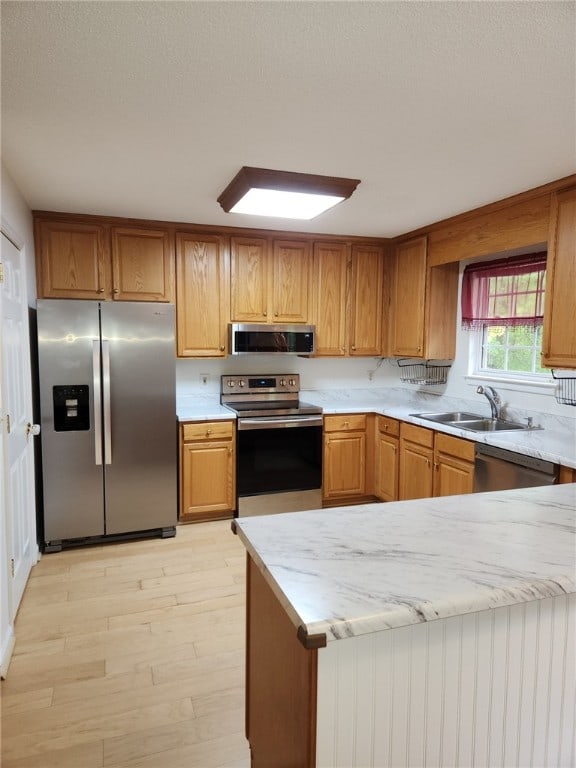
433 464
567 475
453 465
207 470
387 453
416 476
280 683
347 462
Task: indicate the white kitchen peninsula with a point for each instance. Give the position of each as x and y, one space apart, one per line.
433 632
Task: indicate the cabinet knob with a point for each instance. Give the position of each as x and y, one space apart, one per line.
353 349
115 290
100 290
208 432
275 314
221 347
419 349
428 462
265 314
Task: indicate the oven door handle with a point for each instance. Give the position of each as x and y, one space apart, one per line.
279 422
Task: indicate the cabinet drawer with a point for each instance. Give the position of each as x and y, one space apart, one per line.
418 435
208 430
388 426
345 422
455 446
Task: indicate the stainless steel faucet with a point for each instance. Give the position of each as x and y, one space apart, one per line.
493 398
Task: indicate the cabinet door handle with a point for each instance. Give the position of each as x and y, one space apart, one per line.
428 462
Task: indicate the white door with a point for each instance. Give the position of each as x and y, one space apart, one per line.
16 401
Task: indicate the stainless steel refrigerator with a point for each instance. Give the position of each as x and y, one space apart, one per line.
108 416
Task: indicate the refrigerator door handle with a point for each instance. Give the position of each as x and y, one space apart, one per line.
106 402
97 401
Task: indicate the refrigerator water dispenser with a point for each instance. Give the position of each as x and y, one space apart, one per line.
71 408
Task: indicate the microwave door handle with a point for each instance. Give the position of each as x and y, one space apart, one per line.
97 394
106 402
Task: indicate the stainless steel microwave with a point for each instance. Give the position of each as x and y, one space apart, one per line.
264 339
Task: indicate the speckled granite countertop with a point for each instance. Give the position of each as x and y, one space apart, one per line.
354 570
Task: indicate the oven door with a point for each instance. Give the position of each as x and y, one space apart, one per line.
276 454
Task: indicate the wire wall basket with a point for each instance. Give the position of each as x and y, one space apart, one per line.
425 372
565 389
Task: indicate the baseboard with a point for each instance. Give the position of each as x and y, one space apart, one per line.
349 502
6 652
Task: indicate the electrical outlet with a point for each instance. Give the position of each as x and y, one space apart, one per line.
204 379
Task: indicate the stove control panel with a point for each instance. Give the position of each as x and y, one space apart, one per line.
260 385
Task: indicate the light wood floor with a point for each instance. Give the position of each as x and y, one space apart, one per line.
129 655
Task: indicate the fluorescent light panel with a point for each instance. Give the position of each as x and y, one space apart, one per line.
283 194
286 205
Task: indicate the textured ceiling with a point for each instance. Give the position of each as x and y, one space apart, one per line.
149 109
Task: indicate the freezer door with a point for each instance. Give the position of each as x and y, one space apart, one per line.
68 348
140 430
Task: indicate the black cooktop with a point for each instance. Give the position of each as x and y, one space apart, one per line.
277 408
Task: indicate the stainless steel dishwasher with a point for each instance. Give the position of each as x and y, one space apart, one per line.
496 469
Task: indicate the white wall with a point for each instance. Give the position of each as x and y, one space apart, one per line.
18 226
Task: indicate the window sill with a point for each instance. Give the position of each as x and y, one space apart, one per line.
545 387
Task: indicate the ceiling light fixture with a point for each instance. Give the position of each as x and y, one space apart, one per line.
284 194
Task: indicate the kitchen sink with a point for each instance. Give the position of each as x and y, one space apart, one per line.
451 417
472 421
490 425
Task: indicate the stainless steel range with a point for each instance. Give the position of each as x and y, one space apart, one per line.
279 437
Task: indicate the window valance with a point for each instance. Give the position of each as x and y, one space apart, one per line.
504 292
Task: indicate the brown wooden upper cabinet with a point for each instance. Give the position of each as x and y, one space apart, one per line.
347 299
269 280
202 295
330 268
142 264
559 342
366 292
81 260
72 260
424 304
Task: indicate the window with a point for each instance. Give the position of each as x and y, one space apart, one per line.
504 302
513 349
